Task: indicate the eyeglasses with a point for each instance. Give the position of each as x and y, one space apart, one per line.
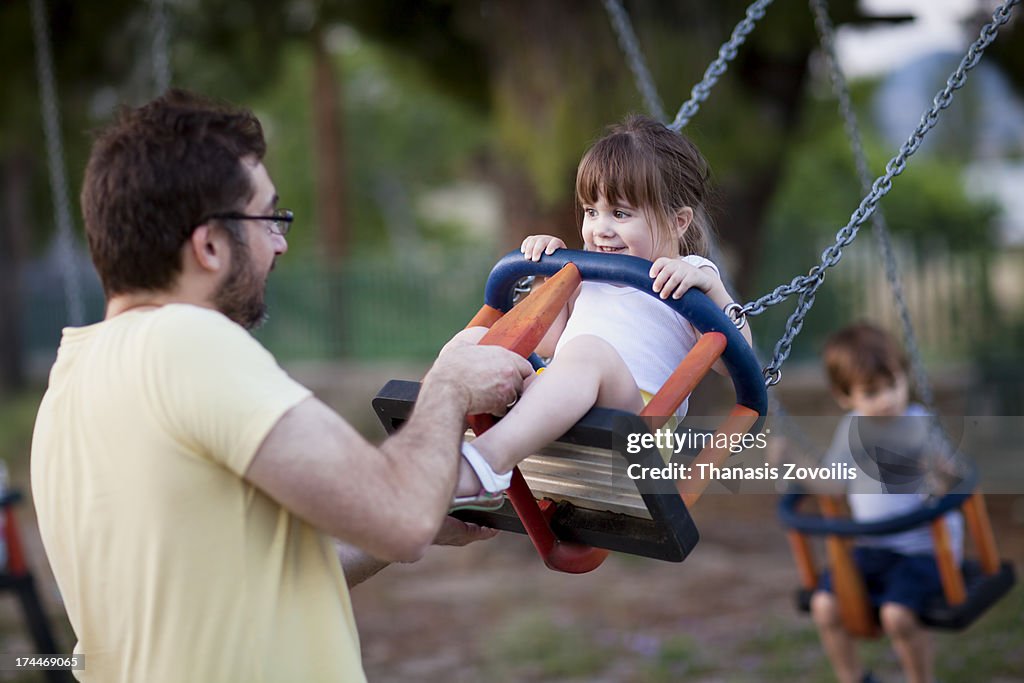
280 220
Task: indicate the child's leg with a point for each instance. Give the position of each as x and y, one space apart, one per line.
909 640
586 372
838 644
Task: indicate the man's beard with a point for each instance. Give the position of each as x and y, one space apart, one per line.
240 296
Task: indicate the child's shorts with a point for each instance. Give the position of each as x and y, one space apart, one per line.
909 580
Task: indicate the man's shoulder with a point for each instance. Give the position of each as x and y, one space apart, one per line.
190 313
191 321
185 329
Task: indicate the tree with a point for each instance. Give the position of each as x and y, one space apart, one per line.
23 187
553 77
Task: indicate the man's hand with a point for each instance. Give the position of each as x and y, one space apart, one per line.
490 377
456 532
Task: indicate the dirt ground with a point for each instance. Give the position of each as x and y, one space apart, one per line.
491 611
443 618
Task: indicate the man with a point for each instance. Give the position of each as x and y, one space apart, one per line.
187 489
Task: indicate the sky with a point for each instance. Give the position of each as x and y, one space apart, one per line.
876 50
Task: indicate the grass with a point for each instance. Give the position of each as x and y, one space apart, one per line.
534 647
781 651
541 645
990 649
677 658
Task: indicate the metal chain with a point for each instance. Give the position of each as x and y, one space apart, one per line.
65 241
644 82
879 226
161 45
635 58
880 231
807 285
726 54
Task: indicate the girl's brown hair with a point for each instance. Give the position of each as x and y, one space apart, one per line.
654 169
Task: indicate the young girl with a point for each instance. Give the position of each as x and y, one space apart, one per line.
642 189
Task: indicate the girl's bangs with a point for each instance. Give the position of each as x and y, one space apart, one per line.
616 169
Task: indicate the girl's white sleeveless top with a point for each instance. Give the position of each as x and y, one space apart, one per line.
650 337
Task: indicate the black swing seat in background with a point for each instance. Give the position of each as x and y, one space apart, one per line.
983 591
593 500
982 588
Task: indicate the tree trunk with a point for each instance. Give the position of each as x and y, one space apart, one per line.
542 62
15 175
777 85
331 190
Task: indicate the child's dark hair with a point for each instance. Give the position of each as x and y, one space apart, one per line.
863 355
652 168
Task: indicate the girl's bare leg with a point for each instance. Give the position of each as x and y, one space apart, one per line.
586 372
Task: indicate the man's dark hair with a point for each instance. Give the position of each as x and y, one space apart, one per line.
154 175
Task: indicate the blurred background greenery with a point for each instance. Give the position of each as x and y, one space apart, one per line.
417 141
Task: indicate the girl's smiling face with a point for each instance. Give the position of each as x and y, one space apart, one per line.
618 228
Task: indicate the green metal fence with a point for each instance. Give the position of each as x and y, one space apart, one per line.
386 309
949 295
373 308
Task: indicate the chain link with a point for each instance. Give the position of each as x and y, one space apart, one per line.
879 226
735 313
883 241
635 58
807 285
522 288
65 241
161 45
726 54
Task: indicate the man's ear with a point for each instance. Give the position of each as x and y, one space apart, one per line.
208 247
684 218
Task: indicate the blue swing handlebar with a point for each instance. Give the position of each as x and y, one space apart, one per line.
929 510
620 269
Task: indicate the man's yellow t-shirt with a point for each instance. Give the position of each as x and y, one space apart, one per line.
172 567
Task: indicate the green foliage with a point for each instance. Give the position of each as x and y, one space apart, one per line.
438 35
818 194
401 138
284 109
931 206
